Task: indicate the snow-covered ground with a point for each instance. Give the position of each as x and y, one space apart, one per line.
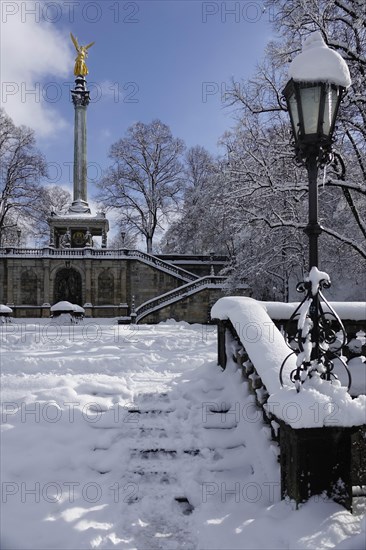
116 437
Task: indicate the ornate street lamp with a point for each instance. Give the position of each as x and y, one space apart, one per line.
319 78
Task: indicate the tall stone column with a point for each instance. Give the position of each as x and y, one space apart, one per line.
81 99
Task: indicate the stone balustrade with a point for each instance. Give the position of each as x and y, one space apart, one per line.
312 459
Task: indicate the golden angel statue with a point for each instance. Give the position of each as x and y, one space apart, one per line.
80 65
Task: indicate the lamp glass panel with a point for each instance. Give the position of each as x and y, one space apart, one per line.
292 104
310 101
331 101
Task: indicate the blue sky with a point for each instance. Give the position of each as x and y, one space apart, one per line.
152 59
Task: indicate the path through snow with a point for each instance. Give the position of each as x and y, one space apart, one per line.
117 437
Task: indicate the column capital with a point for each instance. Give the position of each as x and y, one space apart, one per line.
80 99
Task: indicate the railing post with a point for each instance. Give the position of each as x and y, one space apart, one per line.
316 461
221 343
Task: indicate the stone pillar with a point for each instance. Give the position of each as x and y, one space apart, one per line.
122 283
12 281
88 296
52 237
316 461
46 282
80 98
104 239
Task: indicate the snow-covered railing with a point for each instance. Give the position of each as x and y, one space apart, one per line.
261 339
178 294
353 350
322 420
266 348
100 253
352 314
352 311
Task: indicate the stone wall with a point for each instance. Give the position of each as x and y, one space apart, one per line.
108 284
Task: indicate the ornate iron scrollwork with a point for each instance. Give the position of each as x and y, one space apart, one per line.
319 338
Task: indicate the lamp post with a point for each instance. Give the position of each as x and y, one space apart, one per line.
319 78
19 234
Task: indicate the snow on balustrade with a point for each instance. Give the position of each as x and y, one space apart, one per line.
351 311
260 337
320 403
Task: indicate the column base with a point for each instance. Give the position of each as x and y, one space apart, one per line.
80 207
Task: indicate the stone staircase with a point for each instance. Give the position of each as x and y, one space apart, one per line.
165 454
158 452
159 302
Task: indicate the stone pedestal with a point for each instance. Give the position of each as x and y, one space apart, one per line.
46 310
316 461
88 309
77 231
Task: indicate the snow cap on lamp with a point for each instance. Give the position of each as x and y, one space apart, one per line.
317 63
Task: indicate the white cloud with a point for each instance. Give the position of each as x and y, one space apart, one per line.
34 56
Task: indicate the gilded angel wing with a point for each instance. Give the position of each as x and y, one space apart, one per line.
89 45
75 42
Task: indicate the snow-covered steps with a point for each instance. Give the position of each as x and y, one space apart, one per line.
184 504
172 451
150 412
160 452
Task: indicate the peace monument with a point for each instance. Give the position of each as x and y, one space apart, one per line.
77 228
124 283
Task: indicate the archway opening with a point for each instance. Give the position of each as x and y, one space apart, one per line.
68 286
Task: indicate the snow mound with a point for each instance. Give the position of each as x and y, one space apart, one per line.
317 63
320 403
63 306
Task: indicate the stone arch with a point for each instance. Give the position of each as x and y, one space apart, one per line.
68 286
105 287
29 288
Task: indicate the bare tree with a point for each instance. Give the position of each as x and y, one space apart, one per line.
343 26
52 199
202 226
199 167
146 180
123 239
21 168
